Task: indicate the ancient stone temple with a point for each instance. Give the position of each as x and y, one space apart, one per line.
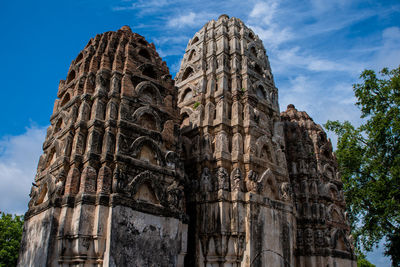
141 170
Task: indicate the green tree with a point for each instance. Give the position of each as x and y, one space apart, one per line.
362 260
10 239
369 161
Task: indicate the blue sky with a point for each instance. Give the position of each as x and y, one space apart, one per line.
317 49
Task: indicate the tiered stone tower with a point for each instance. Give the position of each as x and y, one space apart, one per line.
234 150
108 189
138 172
323 231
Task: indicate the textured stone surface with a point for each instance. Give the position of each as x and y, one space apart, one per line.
234 138
139 171
323 229
113 142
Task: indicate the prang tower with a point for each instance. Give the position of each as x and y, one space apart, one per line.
234 150
109 185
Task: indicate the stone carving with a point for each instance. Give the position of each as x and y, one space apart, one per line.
206 185
223 179
285 192
175 195
237 180
252 183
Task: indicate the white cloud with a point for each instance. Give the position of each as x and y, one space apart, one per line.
123 8
295 57
19 156
323 6
262 19
189 20
142 5
321 97
389 54
176 39
272 36
264 10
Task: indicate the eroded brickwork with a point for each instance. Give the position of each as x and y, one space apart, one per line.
323 230
234 147
140 171
111 154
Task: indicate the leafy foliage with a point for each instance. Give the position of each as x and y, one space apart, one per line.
369 160
10 239
362 261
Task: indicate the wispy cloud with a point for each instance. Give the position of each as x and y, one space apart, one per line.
264 10
189 19
295 57
19 156
262 19
141 5
389 53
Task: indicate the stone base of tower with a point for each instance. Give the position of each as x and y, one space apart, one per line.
270 228
37 242
242 229
141 239
316 261
120 232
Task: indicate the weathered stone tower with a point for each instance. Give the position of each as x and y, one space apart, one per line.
108 189
234 150
208 173
323 232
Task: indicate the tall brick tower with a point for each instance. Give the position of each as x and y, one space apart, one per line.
323 230
109 185
234 150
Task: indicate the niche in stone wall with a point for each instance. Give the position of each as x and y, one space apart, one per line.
43 196
195 40
145 193
340 244
251 36
79 58
52 157
270 190
260 92
71 76
269 185
333 192
258 69
144 53
188 72
147 121
65 99
339 241
147 154
188 94
58 125
253 51
192 55
185 120
148 92
266 153
149 71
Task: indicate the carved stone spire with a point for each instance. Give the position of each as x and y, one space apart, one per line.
230 120
112 153
323 229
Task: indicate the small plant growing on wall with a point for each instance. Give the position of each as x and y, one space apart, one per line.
196 105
